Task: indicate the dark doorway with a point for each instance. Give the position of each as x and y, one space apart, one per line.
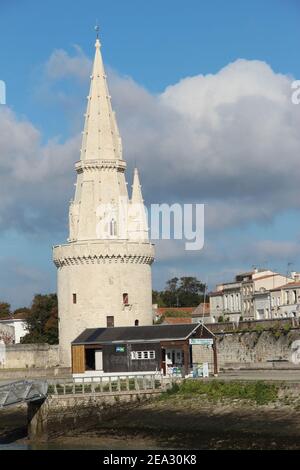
90 359
163 360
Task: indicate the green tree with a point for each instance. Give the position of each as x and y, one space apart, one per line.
190 291
4 309
22 311
157 299
187 291
42 320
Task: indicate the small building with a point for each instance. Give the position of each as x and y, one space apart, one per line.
262 304
285 300
19 325
201 314
166 349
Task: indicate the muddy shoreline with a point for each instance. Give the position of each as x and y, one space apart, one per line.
175 423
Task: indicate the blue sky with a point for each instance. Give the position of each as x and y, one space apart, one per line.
157 44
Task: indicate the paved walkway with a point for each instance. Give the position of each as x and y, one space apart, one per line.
269 374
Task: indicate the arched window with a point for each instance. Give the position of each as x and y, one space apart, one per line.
125 299
136 323
113 228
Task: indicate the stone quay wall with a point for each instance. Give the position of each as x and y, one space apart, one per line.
58 415
263 349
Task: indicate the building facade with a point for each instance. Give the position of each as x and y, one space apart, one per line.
248 297
104 269
285 300
225 302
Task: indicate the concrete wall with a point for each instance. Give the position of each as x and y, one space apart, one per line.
22 356
256 349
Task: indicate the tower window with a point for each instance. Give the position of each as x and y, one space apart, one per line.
136 323
113 228
74 298
125 298
110 322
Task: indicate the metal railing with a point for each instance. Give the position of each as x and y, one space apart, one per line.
14 393
110 385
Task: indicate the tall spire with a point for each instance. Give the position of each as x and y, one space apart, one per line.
137 224
136 197
101 139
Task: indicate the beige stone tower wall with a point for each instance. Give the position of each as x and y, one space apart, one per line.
99 275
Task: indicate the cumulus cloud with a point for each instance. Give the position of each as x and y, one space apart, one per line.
35 177
61 65
230 140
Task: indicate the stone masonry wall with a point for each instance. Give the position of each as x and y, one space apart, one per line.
255 348
202 354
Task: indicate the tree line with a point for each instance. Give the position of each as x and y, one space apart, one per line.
186 291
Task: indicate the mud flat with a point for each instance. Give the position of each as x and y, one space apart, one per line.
191 417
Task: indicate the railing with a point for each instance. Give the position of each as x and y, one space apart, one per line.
22 391
111 385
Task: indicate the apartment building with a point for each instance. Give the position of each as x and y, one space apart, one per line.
248 297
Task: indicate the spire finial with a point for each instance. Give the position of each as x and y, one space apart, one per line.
97 29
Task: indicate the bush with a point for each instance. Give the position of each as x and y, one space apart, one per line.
259 328
287 328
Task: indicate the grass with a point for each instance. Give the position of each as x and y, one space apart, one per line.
258 392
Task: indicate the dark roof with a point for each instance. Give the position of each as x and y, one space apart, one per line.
136 333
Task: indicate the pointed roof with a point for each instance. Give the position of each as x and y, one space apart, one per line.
136 197
101 139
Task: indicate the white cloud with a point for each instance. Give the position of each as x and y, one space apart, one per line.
230 140
61 65
35 178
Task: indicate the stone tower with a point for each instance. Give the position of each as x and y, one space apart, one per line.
104 269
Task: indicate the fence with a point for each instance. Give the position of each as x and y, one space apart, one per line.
112 385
